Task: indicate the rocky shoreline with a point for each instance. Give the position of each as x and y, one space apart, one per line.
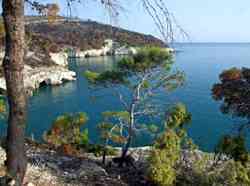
43 74
53 70
35 77
48 166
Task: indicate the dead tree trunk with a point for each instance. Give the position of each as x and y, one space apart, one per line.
13 64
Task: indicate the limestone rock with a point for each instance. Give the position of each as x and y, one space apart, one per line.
34 77
60 58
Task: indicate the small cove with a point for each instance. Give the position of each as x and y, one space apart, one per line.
202 64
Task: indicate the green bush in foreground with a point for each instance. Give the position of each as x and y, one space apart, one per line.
234 147
163 158
202 172
66 130
167 148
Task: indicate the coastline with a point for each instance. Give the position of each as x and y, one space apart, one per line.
58 72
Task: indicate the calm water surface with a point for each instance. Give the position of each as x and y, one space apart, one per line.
202 64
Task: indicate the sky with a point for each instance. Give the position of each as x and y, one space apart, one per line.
203 20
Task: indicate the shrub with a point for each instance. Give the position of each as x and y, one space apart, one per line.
227 173
66 129
148 57
163 158
167 148
234 147
207 169
234 173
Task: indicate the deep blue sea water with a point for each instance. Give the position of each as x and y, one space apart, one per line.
202 64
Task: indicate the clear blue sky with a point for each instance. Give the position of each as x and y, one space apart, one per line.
204 20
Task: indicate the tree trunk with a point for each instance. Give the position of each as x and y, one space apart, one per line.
136 99
130 132
13 64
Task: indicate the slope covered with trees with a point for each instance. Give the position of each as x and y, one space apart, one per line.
44 36
84 35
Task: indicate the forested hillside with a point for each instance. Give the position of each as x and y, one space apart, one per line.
82 34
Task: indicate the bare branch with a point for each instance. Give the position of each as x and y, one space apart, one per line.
125 104
163 19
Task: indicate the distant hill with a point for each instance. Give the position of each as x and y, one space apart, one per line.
81 34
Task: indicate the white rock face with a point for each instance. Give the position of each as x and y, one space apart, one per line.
108 48
60 58
111 47
33 77
97 52
170 50
125 51
52 75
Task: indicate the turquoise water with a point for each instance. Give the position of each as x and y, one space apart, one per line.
202 64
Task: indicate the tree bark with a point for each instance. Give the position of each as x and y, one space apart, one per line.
130 132
13 64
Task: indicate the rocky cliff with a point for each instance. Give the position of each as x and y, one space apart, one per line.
39 70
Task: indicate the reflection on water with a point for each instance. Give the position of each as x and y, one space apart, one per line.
97 64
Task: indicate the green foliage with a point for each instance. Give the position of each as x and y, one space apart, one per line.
2 106
178 116
91 76
85 137
163 158
3 109
66 129
152 128
110 129
234 173
228 173
167 148
115 77
146 58
234 147
177 120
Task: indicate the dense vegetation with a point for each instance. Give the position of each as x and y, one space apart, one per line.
84 34
44 36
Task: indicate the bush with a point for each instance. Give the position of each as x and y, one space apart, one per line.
234 147
227 173
66 129
166 151
163 158
230 167
148 57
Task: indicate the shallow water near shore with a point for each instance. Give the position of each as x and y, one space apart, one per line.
202 64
